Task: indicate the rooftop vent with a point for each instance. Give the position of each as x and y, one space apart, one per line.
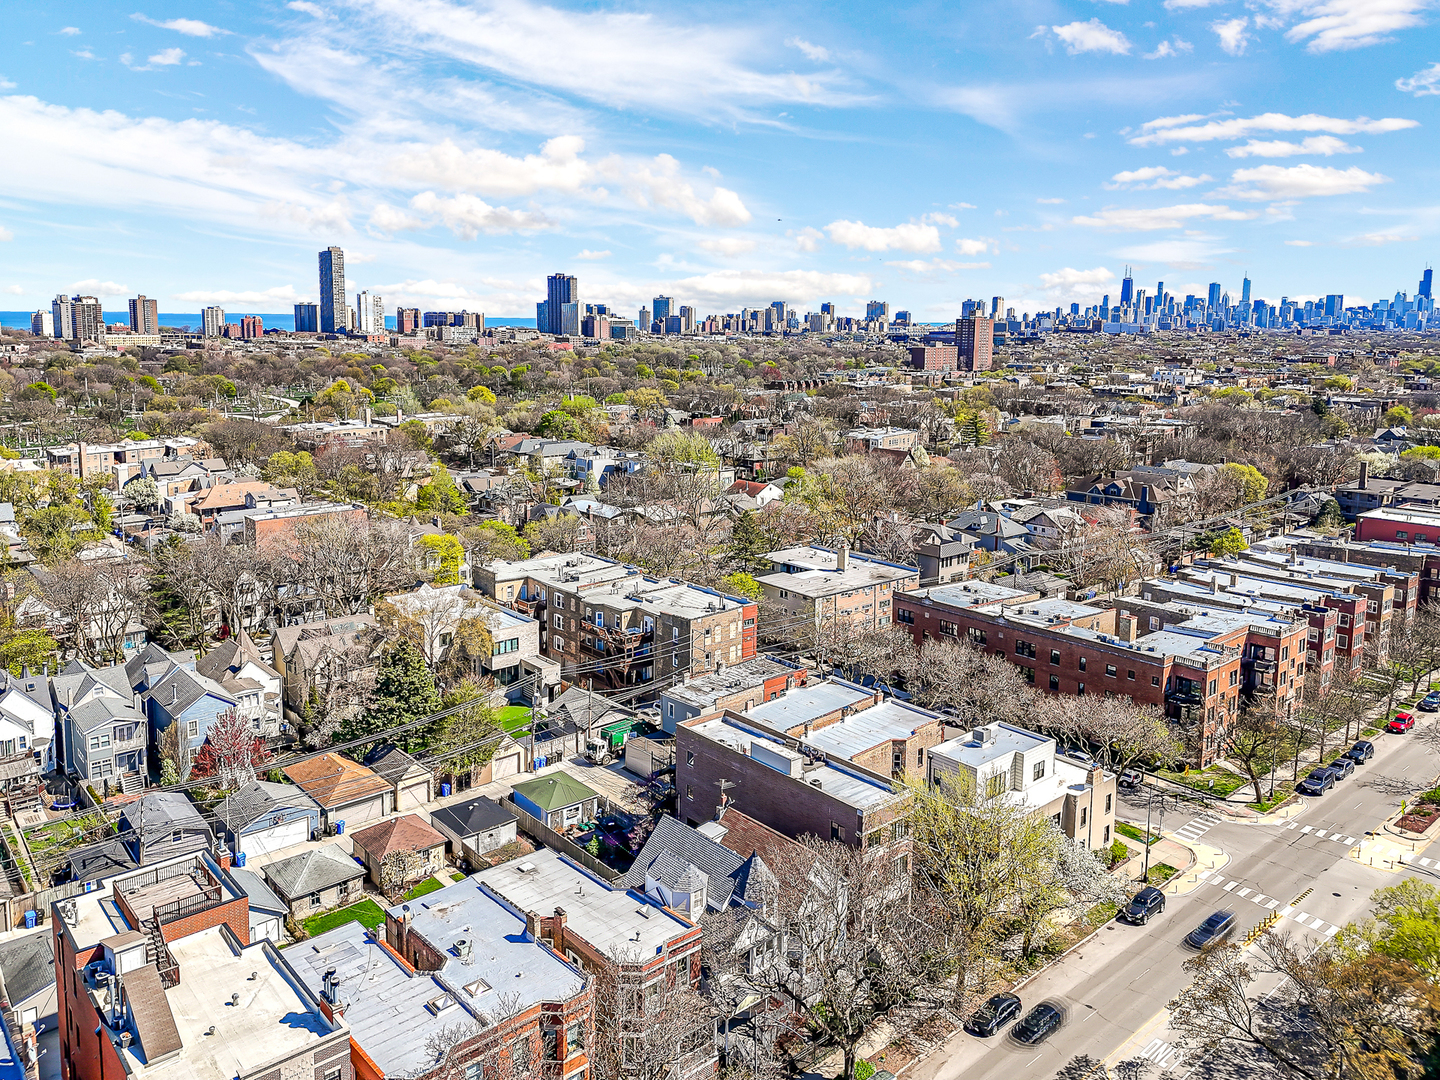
526 868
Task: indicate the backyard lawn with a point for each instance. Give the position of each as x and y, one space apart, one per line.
367 913
429 885
514 718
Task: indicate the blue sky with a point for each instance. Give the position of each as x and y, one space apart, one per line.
922 153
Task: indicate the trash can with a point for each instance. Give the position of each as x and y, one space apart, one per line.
444 791
30 917
240 858
339 828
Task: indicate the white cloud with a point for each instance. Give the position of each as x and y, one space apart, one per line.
759 287
69 31
1377 239
279 294
818 53
188 27
658 182
808 238
1155 178
164 58
16 290
728 246
468 215
307 8
1092 36
1079 285
558 167
1050 202
318 218
972 247
912 236
1299 243
83 54
1190 253
592 256
1170 48
1141 219
1299 182
1232 34
1315 144
1423 83
6 234
1350 24
1183 5
946 266
95 287
386 220
962 206
605 55
1168 129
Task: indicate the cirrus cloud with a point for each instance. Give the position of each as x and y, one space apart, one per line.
1350 24
1146 219
188 27
1155 178
1423 83
1176 129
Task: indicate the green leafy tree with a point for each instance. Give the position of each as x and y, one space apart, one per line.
748 544
440 495
1249 481
444 554
143 492
404 693
1230 542
1330 516
558 424
741 584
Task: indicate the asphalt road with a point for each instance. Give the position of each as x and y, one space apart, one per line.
1114 988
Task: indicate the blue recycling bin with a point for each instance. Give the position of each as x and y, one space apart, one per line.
30 918
240 858
339 828
444 791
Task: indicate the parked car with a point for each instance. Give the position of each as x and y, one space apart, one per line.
1431 701
1039 1024
1131 778
1402 723
1143 906
993 1015
1342 767
1317 783
1213 930
1361 752
1074 753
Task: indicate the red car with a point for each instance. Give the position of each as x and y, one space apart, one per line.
1402 723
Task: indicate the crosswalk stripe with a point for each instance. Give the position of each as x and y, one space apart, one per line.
1304 916
1424 862
1231 885
1293 825
1258 898
1244 892
1273 904
1332 931
1307 828
1348 841
1319 834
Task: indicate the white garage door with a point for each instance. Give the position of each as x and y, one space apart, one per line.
413 797
360 813
265 841
509 765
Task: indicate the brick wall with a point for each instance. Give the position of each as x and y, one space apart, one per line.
234 913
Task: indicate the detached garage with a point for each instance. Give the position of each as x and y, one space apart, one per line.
411 784
263 817
346 790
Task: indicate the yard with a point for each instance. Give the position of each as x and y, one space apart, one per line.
515 718
429 885
1138 835
66 833
1212 781
367 913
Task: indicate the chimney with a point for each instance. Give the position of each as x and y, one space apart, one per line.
1214 584
1126 627
557 930
1364 475
82 461
842 557
369 416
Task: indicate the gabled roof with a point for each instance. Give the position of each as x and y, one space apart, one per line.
555 791
100 861
261 898
258 799
394 764
161 809
181 688
104 710
311 871
407 832
472 817
28 964
334 781
674 847
226 659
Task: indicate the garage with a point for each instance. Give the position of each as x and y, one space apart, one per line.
265 838
502 766
360 812
413 796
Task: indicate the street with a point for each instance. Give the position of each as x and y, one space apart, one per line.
1313 869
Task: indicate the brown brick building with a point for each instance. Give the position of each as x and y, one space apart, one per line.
974 343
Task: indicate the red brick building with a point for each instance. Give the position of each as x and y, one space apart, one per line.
975 343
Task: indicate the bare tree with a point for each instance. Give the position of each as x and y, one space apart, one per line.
1122 730
975 686
346 563
648 1028
95 602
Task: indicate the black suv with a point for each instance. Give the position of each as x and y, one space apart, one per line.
1317 783
1039 1024
1361 752
1213 930
1144 905
993 1015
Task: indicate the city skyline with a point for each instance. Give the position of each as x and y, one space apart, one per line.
925 156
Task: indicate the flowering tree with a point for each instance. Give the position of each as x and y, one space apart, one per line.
232 751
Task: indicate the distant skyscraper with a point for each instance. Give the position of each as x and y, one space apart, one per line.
88 321
662 308
542 316
560 289
334 311
307 318
252 326
1425 283
687 318
569 319
212 321
780 313
1245 292
42 323
997 306
1334 305
1127 289
1074 309
407 320
1213 300
369 314
144 316
878 309
62 313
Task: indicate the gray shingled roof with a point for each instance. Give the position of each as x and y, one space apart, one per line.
102 711
674 847
258 798
261 898
472 817
311 871
389 761
29 966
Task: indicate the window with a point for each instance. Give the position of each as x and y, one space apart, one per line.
1028 674
976 635
472 1071
904 615
836 832
1400 534
552 1044
1344 642
1130 675
1025 648
1234 677
1082 663
689 792
334 1074
176 836
1107 834
1154 623
948 628
689 755
997 783
315 900
920 755
1084 815
559 621
1110 671
1039 771
1154 680
1213 683
1344 620
512 645
1055 682
1080 689
1109 799
99 742
1055 657
574 1039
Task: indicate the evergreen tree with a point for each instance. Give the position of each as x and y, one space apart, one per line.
748 544
404 692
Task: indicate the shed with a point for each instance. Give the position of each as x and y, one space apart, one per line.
346 790
406 834
267 911
263 817
162 825
27 974
315 880
412 784
97 862
475 827
558 800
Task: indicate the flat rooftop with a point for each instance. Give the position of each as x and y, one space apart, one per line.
732 678
275 1018
971 594
845 784
98 914
809 703
1009 741
864 730
1051 609
614 920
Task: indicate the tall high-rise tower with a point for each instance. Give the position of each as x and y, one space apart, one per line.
1127 289
1425 283
560 289
1213 299
334 310
144 316
1245 292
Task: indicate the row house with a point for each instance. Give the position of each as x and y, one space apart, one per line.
816 584
736 687
1417 562
1369 493
610 625
1392 595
